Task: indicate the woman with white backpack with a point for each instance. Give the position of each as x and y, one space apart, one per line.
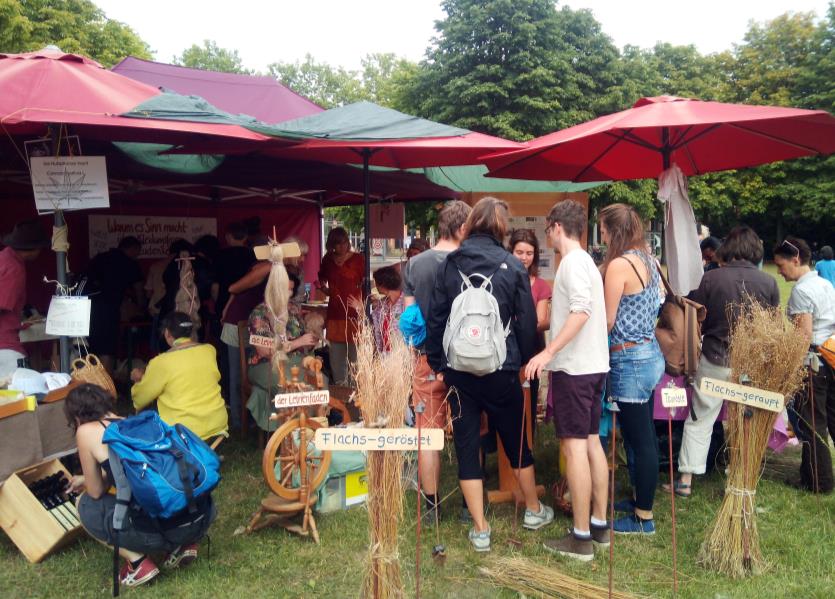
480 330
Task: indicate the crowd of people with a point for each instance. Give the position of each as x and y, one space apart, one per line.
590 337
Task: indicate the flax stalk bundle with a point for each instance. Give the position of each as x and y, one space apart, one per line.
531 579
769 351
383 385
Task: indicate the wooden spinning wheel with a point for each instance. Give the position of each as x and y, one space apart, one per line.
291 446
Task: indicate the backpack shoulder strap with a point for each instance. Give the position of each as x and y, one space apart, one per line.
667 287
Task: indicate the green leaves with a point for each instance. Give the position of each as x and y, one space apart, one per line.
211 57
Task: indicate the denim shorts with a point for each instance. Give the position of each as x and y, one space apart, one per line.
634 372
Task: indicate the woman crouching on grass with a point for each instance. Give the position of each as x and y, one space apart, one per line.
89 410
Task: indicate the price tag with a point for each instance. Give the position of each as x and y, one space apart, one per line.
68 316
673 397
261 341
302 398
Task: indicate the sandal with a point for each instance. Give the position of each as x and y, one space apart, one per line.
683 490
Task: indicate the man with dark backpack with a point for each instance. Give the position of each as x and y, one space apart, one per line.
118 511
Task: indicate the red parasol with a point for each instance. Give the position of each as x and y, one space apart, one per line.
642 141
51 87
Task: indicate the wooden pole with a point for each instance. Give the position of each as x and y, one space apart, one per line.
672 498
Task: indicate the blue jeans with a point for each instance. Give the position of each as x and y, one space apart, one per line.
634 373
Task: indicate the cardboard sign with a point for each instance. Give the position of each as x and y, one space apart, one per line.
261 341
673 397
156 233
377 439
749 396
69 183
316 397
68 316
288 250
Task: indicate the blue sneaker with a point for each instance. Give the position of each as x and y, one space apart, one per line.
632 525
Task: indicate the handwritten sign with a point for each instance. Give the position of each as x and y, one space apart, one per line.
69 183
261 341
302 398
673 397
377 439
749 396
156 233
68 316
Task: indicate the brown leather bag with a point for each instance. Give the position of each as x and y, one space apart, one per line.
679 332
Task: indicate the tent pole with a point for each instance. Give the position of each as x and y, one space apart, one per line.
60 259
366 199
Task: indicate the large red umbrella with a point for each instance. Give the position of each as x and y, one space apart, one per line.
669 137
642 141
51 87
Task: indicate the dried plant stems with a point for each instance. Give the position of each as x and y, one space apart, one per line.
383 383
534 580
768 351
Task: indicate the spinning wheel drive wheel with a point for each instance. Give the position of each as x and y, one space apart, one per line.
291 445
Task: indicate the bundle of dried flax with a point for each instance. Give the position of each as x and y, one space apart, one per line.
534 580
383 384
767 351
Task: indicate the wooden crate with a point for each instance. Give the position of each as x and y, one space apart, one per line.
29 524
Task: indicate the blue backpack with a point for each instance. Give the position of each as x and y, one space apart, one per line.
165 467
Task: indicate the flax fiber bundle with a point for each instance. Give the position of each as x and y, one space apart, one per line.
534 580
769 351
383 385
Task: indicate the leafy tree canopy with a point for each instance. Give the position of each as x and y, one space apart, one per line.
211 57
76 26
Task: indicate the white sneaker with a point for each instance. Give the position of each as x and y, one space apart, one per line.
480 540
536 520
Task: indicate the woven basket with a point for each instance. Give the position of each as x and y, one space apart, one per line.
90 370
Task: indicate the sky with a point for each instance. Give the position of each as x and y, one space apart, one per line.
341 32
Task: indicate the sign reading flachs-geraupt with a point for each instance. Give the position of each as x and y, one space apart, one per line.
748 396
69 183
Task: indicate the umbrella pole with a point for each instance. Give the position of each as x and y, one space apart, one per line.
60 257
366 199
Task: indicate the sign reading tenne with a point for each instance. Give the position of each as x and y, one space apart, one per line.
302 398
673 397
749 396
377 439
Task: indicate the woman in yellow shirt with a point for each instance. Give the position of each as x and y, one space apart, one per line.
184 381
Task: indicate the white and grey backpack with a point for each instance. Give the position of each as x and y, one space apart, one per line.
474 338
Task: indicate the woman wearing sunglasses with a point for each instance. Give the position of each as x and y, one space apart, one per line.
812 308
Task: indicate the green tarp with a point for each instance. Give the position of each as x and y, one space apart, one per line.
184 164
472 179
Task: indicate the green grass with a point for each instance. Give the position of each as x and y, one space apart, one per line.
796 530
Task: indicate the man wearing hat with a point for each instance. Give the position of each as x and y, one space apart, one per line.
23 244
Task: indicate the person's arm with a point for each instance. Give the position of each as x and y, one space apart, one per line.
801 309
613 288
804 323
86 439
150 387
436 321
543 315
254 277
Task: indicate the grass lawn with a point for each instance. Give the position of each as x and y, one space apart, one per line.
796 530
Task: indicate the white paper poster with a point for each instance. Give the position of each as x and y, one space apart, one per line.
68 316
546 254
156 233
69 183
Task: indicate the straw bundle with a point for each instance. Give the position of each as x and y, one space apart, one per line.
769 351
383 383
533 580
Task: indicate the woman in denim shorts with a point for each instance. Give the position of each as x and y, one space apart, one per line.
636 364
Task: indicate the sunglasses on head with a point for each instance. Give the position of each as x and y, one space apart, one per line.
790 247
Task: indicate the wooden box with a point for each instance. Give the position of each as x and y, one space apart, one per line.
28 523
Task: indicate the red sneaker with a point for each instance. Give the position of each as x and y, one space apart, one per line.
181 556
144 572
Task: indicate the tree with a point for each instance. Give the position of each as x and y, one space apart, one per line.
76 26
211 57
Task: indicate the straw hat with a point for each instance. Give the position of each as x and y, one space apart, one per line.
26 235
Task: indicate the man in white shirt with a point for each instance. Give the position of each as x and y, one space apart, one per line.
578 360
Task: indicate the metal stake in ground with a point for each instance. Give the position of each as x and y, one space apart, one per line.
419 409
612 502
672 497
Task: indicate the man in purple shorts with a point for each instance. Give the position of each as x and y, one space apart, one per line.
578 360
